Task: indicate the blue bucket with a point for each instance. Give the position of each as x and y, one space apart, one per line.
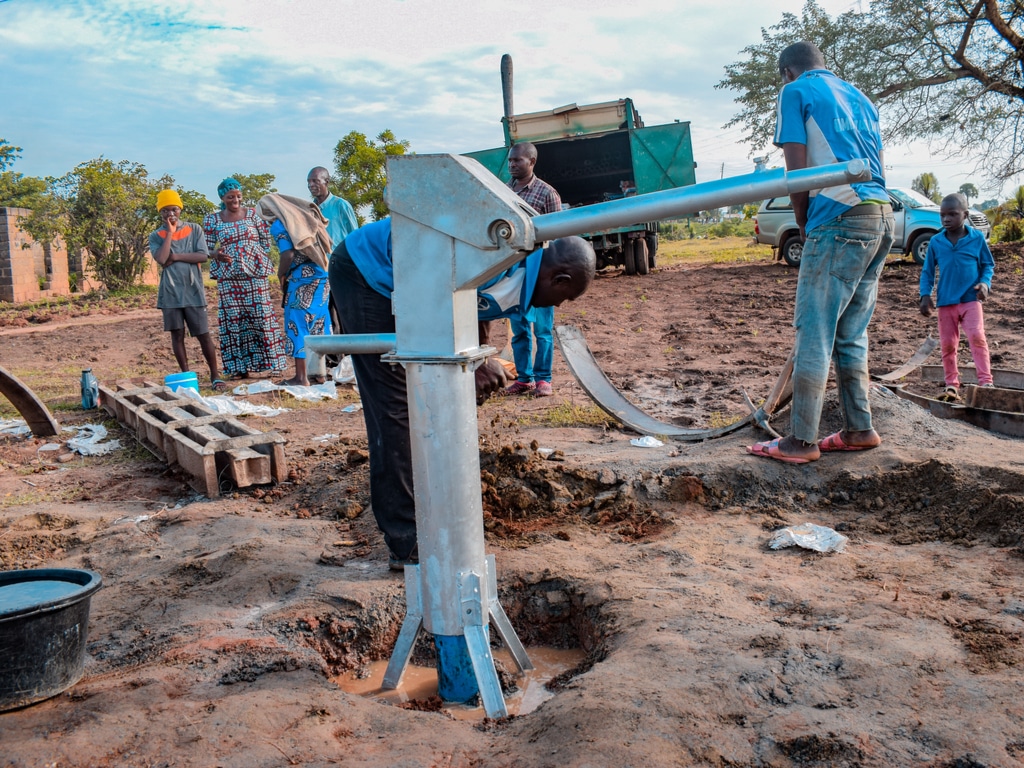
177 380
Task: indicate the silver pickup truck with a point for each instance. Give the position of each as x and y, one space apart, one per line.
917 219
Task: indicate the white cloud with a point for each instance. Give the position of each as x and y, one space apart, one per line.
207 87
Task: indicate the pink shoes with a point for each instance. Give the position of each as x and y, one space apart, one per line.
519 388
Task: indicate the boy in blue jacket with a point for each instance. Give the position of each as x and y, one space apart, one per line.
965 266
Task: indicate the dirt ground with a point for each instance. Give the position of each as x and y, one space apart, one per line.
220 622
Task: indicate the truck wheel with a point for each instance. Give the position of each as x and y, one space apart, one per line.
652 249
919 246
627 257
640 256
792 249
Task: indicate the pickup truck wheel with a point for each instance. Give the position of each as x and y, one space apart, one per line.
629 262
640 256
652 249
792 249
919 247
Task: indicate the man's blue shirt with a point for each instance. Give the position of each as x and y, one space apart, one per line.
505 295
961 267
836 123
341 219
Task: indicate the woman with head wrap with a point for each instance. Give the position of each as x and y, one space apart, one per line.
239 241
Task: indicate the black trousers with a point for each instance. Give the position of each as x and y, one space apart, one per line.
385 405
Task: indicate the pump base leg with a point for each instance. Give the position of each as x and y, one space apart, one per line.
410 630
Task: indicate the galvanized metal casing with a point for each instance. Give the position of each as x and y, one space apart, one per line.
453 227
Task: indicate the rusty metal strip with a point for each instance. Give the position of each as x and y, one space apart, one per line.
1002 422
36 415
915 361
595 383
1001 377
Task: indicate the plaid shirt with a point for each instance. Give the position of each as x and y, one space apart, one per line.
539 195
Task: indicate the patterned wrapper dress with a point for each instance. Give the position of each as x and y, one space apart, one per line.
307 298
251 340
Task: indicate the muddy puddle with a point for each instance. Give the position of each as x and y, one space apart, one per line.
419 684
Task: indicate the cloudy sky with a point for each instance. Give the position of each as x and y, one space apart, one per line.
200 89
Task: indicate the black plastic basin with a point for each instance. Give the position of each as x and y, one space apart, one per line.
44 618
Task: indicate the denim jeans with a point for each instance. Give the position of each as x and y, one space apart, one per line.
529 367
835 298
385 406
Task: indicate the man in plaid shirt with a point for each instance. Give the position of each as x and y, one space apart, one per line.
533 376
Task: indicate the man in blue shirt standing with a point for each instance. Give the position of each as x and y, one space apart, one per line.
341 220
362 280
849 230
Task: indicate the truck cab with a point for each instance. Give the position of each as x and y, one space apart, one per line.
599 152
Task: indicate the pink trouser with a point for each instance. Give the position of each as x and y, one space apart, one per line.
970 317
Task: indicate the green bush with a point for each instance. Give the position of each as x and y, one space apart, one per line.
732 228
1010 230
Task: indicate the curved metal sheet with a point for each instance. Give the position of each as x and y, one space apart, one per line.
915 361
29 406
595 383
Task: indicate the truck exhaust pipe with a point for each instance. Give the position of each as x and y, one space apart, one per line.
506 85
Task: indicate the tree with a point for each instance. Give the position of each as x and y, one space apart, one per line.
968 190
360 172
106 208
254 186
20 191
1014 207
16 189
928 186
948 71
8 154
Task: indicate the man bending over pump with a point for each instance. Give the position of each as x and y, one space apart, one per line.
362 280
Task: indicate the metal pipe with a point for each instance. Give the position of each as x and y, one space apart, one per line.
352 344
671 203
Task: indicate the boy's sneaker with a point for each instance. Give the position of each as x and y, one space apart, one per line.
950 395
543 389
519 388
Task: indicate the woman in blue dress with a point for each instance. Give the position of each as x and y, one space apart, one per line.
307 296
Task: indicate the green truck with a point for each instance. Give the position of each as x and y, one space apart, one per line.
598 152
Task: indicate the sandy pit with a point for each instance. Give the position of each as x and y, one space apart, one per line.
221 623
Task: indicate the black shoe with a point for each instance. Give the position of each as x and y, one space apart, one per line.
396 563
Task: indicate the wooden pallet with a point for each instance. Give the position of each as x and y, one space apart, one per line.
210 447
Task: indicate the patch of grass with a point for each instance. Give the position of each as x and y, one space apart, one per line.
36 496
49 308
719 420
573 415
719 250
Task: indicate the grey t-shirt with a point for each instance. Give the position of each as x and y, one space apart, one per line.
181 284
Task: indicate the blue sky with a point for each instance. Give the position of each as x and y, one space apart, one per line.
199 89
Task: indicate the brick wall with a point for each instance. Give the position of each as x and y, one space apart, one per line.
31 271
28 270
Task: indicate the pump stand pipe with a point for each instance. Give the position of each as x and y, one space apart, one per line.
671 203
